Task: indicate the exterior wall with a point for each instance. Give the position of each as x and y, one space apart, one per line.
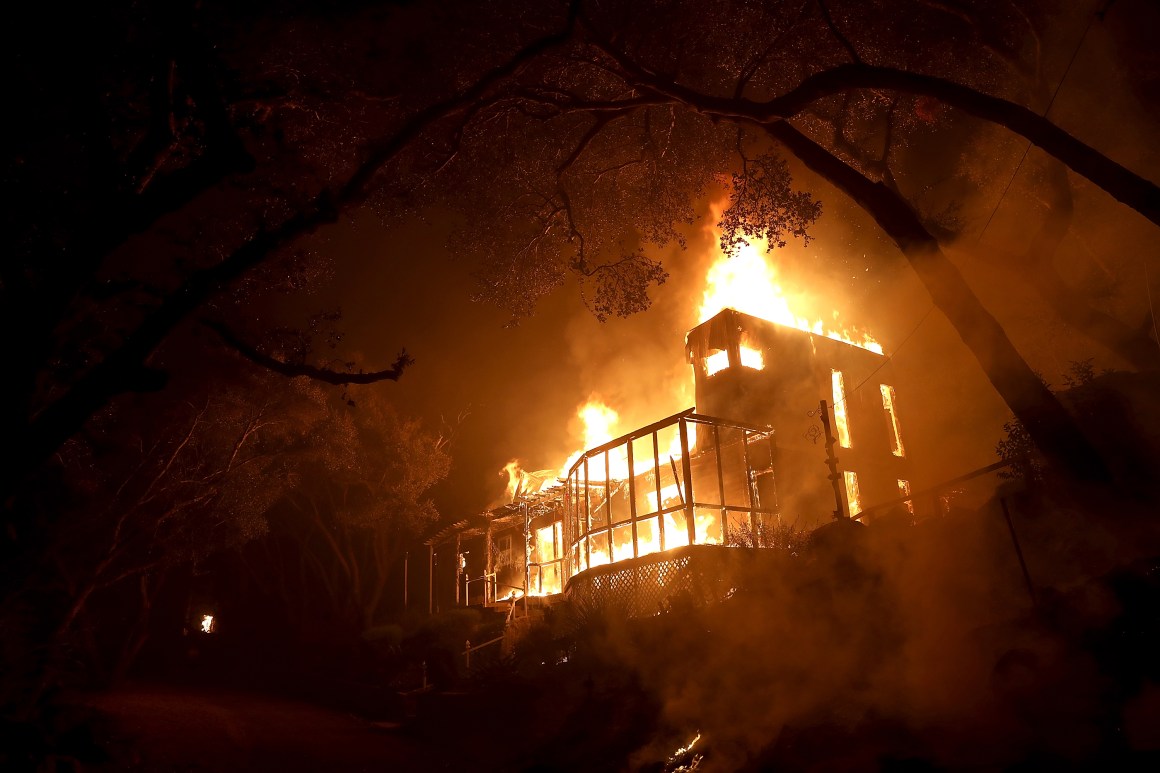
785 393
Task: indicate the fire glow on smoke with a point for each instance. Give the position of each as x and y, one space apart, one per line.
746 281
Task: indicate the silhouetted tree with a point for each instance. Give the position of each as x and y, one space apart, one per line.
580 134
358 492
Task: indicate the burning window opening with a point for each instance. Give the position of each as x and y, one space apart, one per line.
752 358
207 624
716 362
904 490
853 492
896 446
841 417
719 360
546 570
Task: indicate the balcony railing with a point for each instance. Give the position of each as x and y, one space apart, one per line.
685 480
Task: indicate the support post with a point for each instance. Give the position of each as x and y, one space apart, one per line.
687 469
832 462
430 579
1019 553
458 565
632 498
721 483
527 556
487 568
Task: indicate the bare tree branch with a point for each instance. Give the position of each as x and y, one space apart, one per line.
1029 399
336 377
46 431
1121 183
842 39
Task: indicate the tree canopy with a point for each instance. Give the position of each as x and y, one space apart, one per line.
174 174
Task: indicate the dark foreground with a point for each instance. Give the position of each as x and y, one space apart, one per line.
877 649
161 728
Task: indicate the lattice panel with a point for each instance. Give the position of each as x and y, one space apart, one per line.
649 586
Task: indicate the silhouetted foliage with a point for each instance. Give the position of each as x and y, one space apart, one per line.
768 534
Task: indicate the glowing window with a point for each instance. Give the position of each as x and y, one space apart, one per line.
547 540
841 419
719 361
853 492
904 491
598 554
896 446
752 358
716 362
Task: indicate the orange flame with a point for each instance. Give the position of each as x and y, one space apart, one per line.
516 478
602 424
706 525
748 282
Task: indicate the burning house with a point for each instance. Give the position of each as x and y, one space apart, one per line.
770 374
651 514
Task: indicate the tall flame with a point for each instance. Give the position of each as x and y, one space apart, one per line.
602 424
516 478
748 283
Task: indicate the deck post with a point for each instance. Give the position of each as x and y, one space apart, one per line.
487 568
527 555
459 567
687 469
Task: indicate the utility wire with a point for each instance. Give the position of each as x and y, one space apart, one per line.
1151 310
1098 14
886 358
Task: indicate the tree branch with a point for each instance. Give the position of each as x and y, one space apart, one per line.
338 378
1049 424
842 39
47 430
1121 183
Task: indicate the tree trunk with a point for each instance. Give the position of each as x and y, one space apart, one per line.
1121 183
137 637
1051 428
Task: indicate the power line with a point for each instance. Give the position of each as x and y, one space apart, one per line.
1099 14
886 358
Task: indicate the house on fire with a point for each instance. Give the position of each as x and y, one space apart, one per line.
640 516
